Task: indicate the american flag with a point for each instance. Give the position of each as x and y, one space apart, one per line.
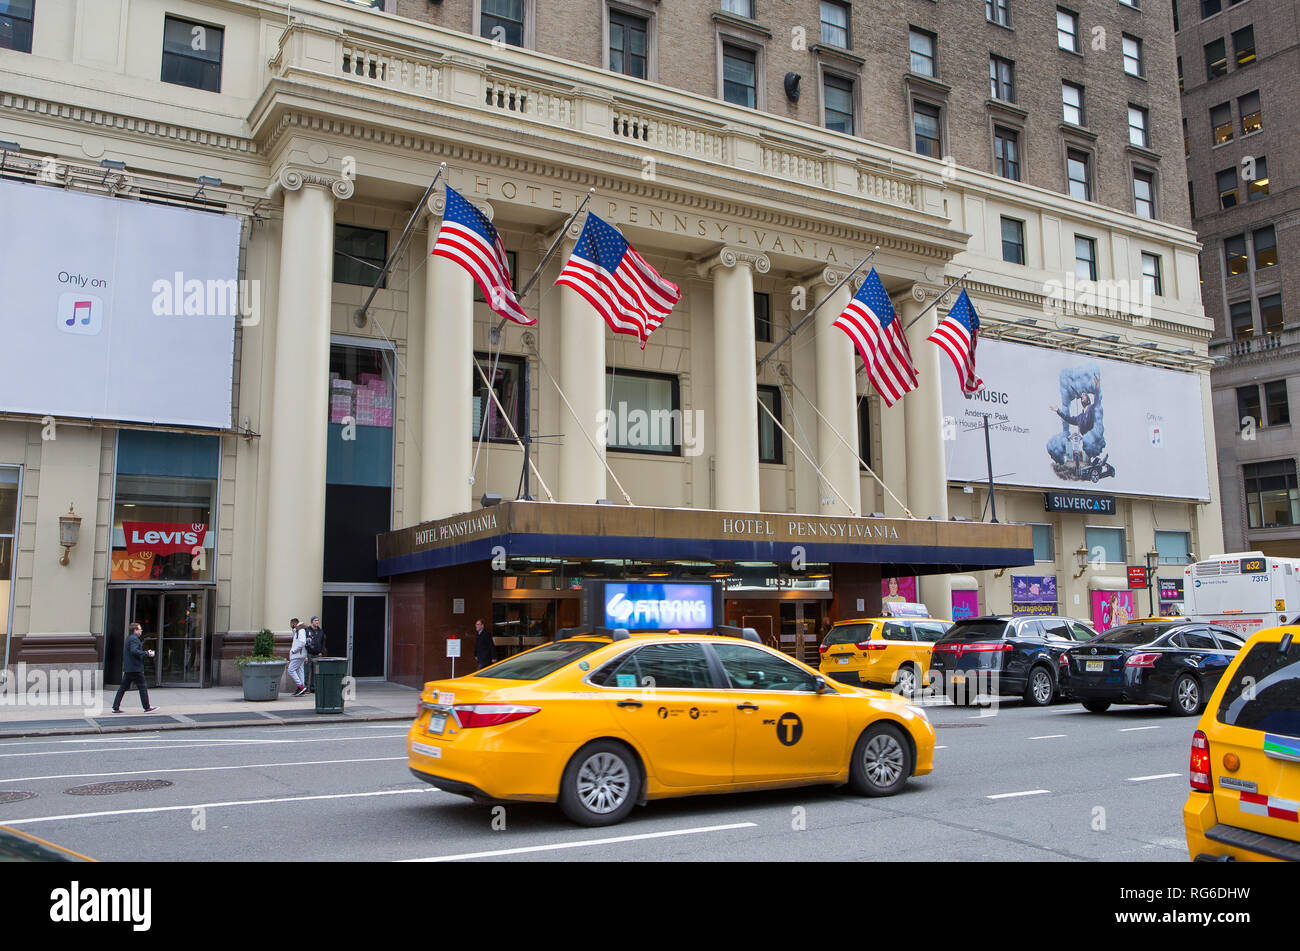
875 330
618 282
956 335
468 238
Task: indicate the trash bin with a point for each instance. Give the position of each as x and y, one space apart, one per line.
330 673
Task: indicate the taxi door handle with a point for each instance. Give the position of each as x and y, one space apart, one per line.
630 703
746 706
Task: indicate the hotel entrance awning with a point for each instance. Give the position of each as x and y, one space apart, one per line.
899 546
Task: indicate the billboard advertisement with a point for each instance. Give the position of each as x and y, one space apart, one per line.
116 309
1062 420
965 604
1111 609
898 589
659 607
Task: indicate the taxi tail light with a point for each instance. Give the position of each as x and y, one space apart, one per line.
822 648
1142 660
870 645
491 714
1200 764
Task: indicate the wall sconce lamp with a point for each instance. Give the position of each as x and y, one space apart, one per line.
69 530
1081 558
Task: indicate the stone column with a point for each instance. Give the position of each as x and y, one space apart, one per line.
837 398
295 520
927 480
447 428
735 381
583 333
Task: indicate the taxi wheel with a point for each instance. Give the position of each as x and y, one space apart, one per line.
882 761
905 681
1186 698
601 784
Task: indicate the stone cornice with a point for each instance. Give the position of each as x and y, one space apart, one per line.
294 178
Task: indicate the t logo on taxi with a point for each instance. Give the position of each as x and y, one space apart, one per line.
789 729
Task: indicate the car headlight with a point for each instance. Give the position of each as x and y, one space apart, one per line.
916 711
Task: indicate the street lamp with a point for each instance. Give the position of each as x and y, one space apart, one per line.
69 530
1153 560
1081 558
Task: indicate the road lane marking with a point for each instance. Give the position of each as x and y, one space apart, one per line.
584 842
1143 779
1027 792
207 769
199 746
1134 729
941 747
1049 736
212 805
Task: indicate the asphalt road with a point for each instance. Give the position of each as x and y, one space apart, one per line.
1025 784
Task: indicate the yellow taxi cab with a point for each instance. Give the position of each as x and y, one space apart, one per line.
1245 763
19 846
893 651
599 723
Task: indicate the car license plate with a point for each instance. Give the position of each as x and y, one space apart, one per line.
841 660
437 723
1094 666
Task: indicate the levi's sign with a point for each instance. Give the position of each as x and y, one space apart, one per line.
1079 502
163 538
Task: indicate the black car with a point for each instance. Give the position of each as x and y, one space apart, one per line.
1175 663
1002 654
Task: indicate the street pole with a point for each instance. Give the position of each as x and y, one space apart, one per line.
988 457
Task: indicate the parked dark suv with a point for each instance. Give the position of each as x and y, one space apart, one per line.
1017 656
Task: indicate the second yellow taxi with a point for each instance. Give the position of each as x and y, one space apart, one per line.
892 652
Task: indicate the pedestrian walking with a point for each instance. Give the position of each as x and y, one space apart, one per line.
484 646
315 647
298 656
133 655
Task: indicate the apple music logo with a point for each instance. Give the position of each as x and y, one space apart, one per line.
80 314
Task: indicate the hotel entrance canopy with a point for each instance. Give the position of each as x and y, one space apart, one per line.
899 546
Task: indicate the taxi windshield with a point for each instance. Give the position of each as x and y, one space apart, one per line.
1265 692
541 661
849 633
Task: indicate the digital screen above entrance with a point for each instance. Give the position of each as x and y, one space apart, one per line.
659 607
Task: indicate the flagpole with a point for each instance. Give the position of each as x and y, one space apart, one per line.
360 316
932 303
528 286
808 316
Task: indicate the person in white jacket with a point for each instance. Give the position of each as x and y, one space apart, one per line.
298 656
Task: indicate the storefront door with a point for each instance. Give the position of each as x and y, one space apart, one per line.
175 626
356 627
801 627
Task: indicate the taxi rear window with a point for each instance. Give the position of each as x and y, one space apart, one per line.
848 634
1264 694
541 661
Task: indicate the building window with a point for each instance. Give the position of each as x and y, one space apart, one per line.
1133 56
925 126
1221 123
1272 498
1109 540
1013 241
741 8
15 34
1152 281
512 264
9 498
762 317
1234 249
1191 198
921 44
1210 7
1072 102
359 255
1248 408
1002 79
192 54
1174 547
509 382
1175 6
1252 120
864 430
1144 201
998 11
1078 172
837 102
1216 59
503 20
1085 258
835 24
1067 29
1187 145
1137 126
1257 187
1226 181
1270 313
1181 85
628 50
1243 45
1275 403
1044 544
739 75
770 446
1006 152
644 412
1265 242
1243 324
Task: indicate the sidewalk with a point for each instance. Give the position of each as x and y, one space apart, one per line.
181 708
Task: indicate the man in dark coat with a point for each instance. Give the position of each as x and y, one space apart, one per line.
133 655
484 646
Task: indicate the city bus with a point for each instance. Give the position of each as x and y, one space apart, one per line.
1243 591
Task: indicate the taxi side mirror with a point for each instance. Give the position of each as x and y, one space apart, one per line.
822 686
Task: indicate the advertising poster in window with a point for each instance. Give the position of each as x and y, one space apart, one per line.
1171 595
1061 420
965 604
1111 609
116 309
894 590
1033 594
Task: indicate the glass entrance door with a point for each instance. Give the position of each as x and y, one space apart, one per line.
356 627
175 625
801 623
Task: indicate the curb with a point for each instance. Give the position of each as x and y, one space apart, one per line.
288 720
